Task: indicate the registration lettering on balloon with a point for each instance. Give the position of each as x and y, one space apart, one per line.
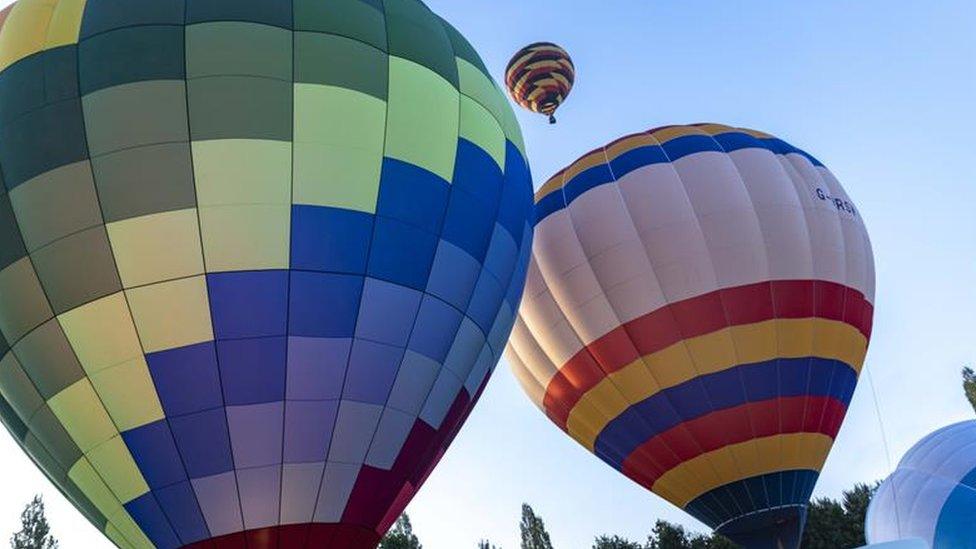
840 203
697 318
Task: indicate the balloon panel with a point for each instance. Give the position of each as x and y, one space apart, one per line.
696 314
257 259
540 77
932 493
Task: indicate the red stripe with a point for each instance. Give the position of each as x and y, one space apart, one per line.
699 316
688 440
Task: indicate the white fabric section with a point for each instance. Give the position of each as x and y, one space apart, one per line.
780 214
219 503
907 504
564 264
337 484
900 544
299 490
862 257
389 438
260 488
524 344
529 382
727 219
544 319
355 425
910 501
826 232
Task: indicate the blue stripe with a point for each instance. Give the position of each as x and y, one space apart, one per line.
681 147
955 525
753 495
787 377
670 151
635 159
586 180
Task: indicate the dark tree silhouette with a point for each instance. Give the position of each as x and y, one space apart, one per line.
533 529
35 532
969 385
615 542
401 536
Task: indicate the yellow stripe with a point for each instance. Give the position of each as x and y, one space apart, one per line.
737 462
38 25
630 143
658 137
708 354
719 129
674 132
555 182
65 23
596 158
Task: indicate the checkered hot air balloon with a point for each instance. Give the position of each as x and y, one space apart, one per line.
540 77
258 259
697 311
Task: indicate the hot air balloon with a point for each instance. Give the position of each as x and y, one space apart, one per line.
540 77
697 310
257 259
932 494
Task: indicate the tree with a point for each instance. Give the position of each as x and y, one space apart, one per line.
533 529
671 536
969 385
401 536
615 542
485 544
839 524
35 532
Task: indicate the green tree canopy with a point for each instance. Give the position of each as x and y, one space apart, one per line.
35 532
401 536
969 385
671 536
533 529
615 542
838 524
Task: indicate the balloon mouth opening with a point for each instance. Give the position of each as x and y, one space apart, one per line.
778 528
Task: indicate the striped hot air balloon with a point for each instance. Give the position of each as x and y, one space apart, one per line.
932 494
258 259
540 77
697 312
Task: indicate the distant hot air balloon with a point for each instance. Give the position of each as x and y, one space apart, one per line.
932 494
697 311
540 77
257 259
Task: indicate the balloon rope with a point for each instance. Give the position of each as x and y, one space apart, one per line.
877 411
884 444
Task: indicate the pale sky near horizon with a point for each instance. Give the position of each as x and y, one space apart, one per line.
882 92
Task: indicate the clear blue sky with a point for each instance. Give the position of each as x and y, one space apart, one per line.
883 92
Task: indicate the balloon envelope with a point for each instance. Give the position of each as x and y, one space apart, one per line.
932 493
901 544
697 311
540 77
257 259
